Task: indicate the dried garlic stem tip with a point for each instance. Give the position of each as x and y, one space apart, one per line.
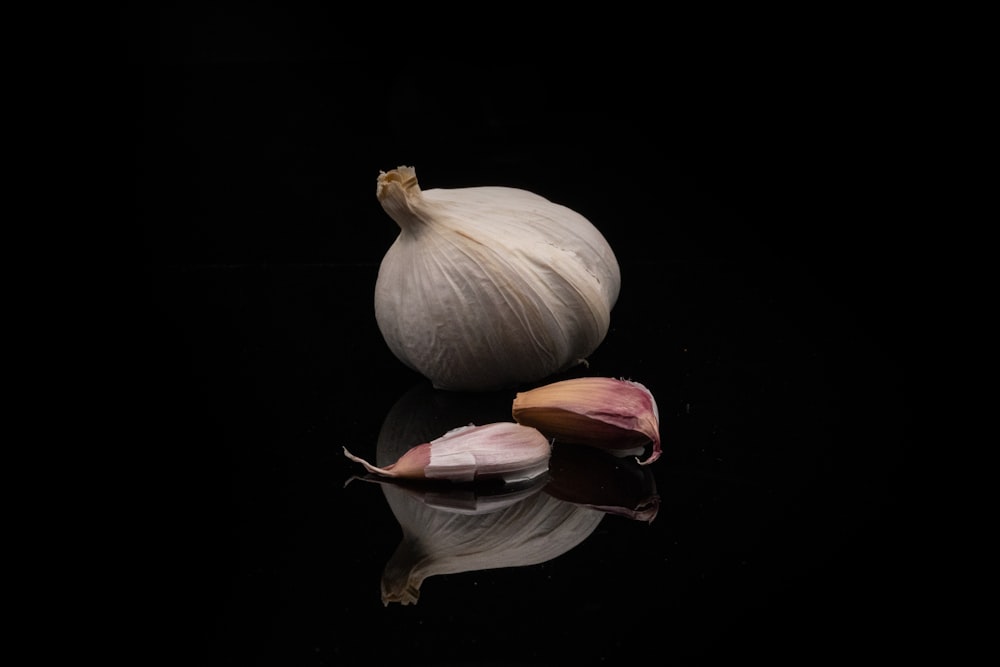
609 413
410 465
399 193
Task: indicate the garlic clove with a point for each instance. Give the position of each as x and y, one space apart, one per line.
511 451
618 415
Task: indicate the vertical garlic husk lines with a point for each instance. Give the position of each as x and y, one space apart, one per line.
489 287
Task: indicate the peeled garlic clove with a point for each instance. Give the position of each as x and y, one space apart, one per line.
490 287
617 415
511 451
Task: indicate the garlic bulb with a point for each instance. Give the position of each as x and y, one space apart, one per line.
489 287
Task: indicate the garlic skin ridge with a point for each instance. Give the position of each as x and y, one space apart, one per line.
489 287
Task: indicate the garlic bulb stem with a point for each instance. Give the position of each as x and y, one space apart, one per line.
400 196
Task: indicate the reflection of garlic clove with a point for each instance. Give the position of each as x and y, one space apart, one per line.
616 415
437 541
594 478
489 287
481 497
502 449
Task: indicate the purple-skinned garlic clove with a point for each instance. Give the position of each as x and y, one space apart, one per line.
617 415
510 451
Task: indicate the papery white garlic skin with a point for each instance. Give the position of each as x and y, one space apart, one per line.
489 287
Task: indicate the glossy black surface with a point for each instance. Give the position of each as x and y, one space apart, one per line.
757 304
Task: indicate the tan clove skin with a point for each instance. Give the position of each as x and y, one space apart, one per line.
608 413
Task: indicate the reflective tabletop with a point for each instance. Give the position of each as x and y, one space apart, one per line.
756 305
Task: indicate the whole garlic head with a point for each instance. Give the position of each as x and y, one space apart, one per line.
489 287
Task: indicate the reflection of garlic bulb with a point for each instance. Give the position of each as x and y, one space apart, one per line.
437 541
488 287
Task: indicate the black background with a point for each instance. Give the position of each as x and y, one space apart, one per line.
742 185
